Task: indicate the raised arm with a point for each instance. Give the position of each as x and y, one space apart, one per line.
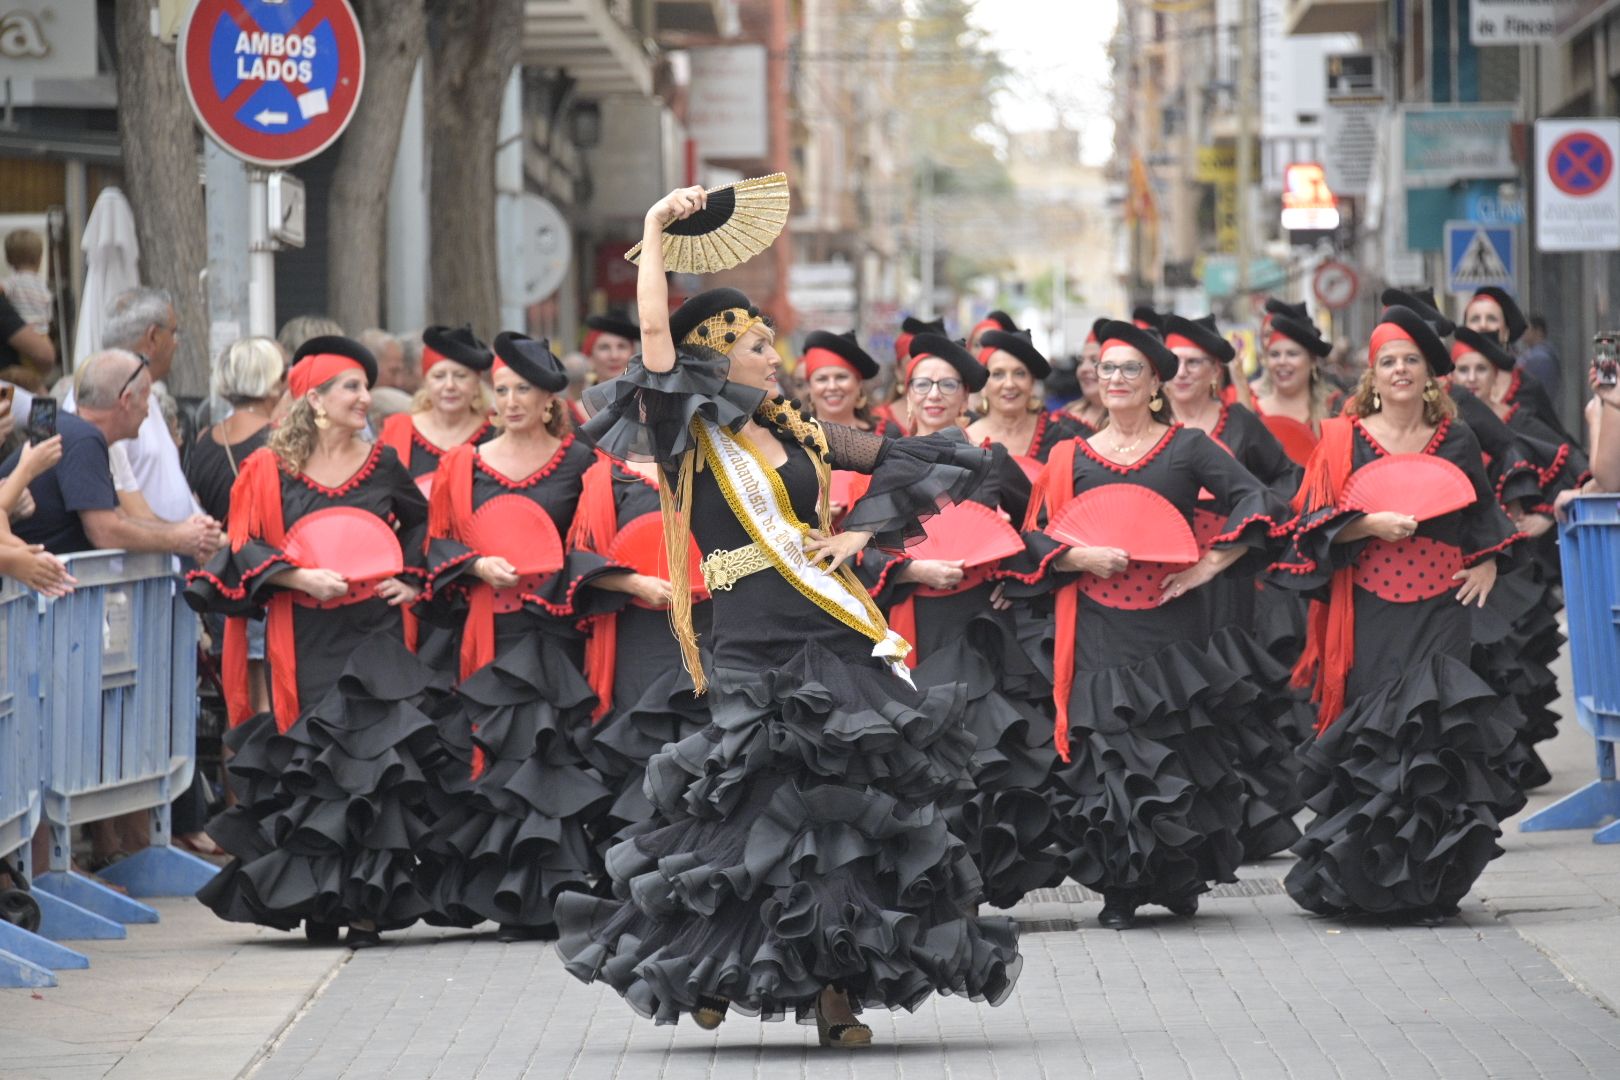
652 290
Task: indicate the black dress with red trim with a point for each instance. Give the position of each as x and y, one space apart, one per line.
1410 783
1150 805
510 839
330 813
1261 743
799 840
653 700
1005 821
1517 635
425 456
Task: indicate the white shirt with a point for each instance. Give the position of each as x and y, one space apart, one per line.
155 462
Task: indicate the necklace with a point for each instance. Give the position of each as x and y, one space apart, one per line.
1118 449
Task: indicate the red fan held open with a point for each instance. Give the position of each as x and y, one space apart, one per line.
640 546
518 530
1298 440
1418 485
1138 521
348 541
970 532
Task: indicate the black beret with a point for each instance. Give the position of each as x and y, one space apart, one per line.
1144 314
1001 319
1488 347
846 346
943 348
704 305
1421 300
1427 338
1511 315
1165 363
533 359
1301 332
1017 344
1204 333
913 325
1097 326
1299 311
338 345
617 325
459 344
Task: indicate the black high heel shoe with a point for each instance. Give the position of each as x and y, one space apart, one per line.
357 938
320 933
1119 910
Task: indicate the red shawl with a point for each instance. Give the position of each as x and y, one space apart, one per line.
1330 632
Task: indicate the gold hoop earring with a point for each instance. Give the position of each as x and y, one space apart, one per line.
321 421
1431 392
1377 402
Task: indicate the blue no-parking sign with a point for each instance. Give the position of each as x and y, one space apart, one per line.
1479 255
273 82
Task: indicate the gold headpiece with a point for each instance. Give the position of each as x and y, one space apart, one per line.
723 329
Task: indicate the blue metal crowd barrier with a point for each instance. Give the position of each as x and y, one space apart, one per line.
99 710
1589 545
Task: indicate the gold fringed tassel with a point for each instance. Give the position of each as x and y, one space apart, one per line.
677 513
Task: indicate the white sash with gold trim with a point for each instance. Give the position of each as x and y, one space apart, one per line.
760 501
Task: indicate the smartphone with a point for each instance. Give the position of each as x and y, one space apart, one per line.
42 418
1606 357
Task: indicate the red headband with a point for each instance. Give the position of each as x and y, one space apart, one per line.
431 356
1489 299
316 369
902 346
499 365
1119 343
1091 337
986 353
590 341
911 364
1460 350
985 324
1176 341
1382 335
818 358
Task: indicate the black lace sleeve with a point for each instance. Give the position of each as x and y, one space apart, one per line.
912 479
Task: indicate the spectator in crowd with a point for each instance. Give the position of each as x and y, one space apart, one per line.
251 374
1605 438
21 343
395 385
412 343
1538 358
25 288
21 561
300 328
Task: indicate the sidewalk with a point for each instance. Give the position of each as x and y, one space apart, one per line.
1526 984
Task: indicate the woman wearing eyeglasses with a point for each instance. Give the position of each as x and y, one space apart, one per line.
962 633
1148 804
1261 740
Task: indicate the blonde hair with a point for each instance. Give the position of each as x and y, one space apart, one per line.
1434 411
293 440
249 369
1321 393
482 404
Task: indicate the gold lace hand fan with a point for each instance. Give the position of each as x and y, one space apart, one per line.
740 221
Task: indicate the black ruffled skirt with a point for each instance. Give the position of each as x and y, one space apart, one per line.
330 815
1006 821
1516 641
507 843
1149 803
1409 786
799 846
654 705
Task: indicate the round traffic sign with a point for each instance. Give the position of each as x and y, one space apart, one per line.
1335 284
1580 163
272 82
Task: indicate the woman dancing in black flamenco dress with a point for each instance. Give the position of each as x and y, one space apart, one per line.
1408 773
1148 803
330 784
800 861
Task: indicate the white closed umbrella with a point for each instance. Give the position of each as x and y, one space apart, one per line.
112 266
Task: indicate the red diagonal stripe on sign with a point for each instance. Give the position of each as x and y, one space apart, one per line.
246 23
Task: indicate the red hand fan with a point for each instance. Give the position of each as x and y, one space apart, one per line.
1418 485
1136 520
846 487
1033 467
346 540
518 530
640 546
1298 440
969 531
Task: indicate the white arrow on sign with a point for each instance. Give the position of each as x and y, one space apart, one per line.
266 117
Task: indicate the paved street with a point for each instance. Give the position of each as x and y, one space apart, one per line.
1525 985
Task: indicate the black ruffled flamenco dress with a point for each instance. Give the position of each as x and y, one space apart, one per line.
1149 803
799 841
331 785
517 796
1410 781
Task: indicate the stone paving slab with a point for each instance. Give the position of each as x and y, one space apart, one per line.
1251 988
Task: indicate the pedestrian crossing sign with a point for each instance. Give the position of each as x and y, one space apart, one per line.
1479 255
